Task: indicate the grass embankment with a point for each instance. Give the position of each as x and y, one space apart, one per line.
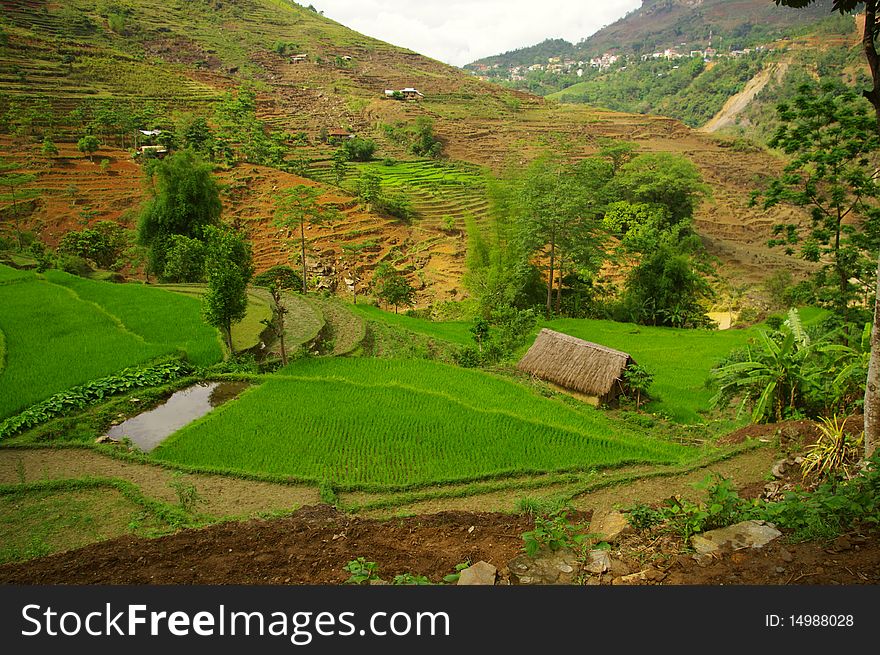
64 331
680 360
246 334
456 332
375 424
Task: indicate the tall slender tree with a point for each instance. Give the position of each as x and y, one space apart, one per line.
300 205
13 182
869 46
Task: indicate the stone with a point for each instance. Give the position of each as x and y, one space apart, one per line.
610 526
547 567
481 573
598 561
748 534
778 469
619 568
631 579
785 556
842 543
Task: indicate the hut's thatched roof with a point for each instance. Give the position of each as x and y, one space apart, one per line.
576 364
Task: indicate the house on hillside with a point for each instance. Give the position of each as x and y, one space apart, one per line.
298 59
408 93
338 135
150 152
577 365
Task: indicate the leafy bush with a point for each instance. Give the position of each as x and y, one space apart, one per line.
553 531
410 579
362 571
79 397
831 508
359 149
835 452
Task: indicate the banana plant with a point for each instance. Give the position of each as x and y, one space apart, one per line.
776 376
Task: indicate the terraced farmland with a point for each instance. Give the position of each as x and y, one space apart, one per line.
64 331
436 190
412 424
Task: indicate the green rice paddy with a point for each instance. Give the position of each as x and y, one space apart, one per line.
63 331
379 424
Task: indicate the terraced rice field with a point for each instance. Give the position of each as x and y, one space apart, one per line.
379 425
61 331
437 190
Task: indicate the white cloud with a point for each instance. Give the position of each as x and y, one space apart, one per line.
460 31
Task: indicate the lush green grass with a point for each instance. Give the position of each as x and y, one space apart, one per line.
63 333
452 331
680 359
472 388
156 315
380 424
9 275
245 334
55 341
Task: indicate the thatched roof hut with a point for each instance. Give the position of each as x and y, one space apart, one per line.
575 364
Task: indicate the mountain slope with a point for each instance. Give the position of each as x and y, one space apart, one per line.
60 59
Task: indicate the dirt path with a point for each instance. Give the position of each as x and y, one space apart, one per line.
736 104
223 496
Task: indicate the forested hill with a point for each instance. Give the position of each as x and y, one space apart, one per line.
660 24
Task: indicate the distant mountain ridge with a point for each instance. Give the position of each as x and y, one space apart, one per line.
660 24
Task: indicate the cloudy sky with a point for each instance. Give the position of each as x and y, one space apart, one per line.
459 31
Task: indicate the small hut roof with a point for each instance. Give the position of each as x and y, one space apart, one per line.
575 364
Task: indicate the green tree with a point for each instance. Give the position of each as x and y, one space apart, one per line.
89 144
830 138
359 149
869 46
184 259
556 214
300 205
340 166
369 189
662 178
392 286
194 132
49 149
14 183
480 332
185 200
774 377
102 244
228 269
639 379
277 280
425 143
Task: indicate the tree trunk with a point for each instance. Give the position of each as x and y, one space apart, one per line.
870 48
550 278
872 387
227 330
302 244
281 338
559 288
15 218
